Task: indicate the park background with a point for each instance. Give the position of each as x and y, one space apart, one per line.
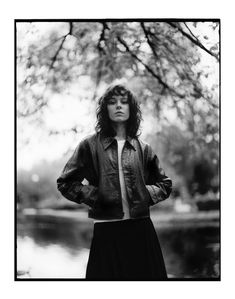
62 69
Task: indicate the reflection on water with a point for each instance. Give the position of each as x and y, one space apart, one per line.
56 247
50 261
191 252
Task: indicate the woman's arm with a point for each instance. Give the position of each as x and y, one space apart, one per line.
158 184
76 169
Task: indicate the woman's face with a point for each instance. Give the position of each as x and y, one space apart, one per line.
118 108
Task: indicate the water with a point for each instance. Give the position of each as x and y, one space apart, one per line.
57 247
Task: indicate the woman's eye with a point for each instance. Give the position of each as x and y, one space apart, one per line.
110 102
114 101
125 101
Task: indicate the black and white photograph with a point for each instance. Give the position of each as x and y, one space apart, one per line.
117 149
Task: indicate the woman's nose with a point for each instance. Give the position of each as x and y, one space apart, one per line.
119 104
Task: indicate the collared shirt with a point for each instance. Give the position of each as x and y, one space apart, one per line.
125 204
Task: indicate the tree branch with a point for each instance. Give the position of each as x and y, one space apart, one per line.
60 46
151 45
57 53
165 85
193 40
191 32
102 37
37 108
101 53
148 40
74 129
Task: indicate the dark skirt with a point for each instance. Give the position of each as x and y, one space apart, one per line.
125 250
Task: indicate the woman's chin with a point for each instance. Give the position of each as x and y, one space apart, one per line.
119 119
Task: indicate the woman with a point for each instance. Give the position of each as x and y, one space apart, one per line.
125 179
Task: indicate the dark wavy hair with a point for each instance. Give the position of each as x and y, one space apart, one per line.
104 123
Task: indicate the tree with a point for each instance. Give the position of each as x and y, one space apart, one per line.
162 62
162 54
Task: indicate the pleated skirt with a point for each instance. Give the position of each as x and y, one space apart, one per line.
125 250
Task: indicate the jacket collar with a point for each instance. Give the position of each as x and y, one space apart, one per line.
107 141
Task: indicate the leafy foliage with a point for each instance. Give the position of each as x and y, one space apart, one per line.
161 61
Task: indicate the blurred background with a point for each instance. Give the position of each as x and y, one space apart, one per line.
173 69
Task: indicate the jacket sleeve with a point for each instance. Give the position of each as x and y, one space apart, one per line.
70 181
158 184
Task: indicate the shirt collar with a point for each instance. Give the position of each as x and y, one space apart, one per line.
107 141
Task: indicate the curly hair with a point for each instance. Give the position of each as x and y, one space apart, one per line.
104 124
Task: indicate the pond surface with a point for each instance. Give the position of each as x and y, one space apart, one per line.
58 247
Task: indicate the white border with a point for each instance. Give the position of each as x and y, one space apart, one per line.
100 9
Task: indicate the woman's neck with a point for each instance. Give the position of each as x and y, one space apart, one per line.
120 131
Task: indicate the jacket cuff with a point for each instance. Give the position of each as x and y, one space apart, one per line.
70 192
88 195
155 193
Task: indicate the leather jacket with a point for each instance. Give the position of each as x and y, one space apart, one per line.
96 160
